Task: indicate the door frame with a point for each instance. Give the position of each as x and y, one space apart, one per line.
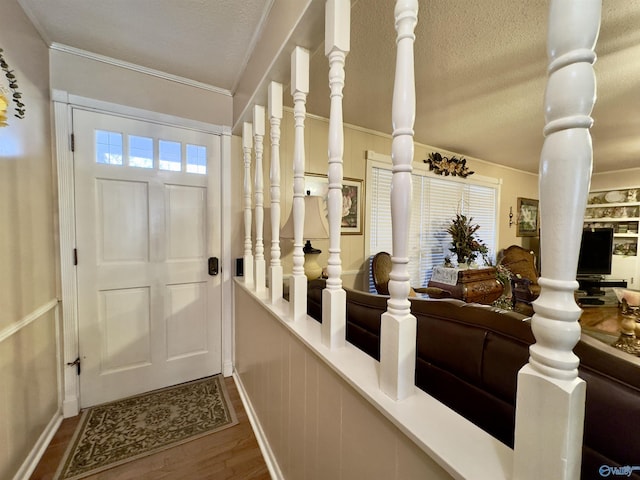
63 105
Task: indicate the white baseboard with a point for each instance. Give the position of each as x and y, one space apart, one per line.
263 443
227 369
70 407
31 462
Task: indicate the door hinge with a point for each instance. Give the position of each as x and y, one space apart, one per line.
75 256
76 362
73 142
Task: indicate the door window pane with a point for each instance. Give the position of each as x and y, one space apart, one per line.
108 147
170 155
140 151
196 159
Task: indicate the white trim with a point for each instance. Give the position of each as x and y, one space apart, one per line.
59 356
227 263
137 68
351 126
261 437
615 172
380 160
31 317
134 113
31 462
67 232
63 104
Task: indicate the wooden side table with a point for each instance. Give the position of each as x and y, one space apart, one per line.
477 285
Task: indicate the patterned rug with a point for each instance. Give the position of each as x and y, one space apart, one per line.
118 432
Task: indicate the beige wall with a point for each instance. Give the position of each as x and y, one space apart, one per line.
317 425
90 78
622 179
28 265
515 183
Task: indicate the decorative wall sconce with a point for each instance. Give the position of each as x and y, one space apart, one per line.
511 222
448 166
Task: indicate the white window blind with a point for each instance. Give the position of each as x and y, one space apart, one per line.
435 202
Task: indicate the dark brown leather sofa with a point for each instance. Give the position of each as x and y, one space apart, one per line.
468 357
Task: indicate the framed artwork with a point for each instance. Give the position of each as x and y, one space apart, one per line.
352 200
528 218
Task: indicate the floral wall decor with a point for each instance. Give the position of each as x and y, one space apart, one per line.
11 94
448 166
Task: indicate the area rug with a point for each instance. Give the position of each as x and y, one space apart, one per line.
118 432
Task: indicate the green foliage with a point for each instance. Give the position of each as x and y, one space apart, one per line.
466 247
13 85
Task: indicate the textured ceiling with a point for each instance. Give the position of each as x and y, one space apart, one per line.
480 66
481 75
187 38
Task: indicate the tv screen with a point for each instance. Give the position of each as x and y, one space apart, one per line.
596 250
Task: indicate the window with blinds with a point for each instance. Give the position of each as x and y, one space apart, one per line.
435 202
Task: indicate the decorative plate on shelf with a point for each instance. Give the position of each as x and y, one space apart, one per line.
615 196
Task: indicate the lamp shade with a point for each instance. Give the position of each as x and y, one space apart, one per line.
316 226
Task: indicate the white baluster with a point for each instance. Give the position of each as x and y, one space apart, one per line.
275 116
247 143
258 135
337 25
398 329
550 399
299 90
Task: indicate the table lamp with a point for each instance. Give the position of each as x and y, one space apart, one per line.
315 227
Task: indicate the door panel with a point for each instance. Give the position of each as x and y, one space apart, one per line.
148 312
186 227
122 220
186 319
124 317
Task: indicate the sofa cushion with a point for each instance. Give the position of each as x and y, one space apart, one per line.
503 358
451 346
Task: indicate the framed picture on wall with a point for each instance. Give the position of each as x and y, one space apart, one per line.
352 200
528 218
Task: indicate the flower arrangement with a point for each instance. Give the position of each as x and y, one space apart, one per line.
504 276
465 245
448 166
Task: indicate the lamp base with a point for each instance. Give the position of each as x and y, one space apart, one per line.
312 269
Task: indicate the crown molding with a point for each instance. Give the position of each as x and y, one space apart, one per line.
138 68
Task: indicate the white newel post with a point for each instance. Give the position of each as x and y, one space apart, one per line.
334 297
258 136
247 259
299 90
550 398
275 116
398 329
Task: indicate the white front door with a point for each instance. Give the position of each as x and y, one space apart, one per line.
149 313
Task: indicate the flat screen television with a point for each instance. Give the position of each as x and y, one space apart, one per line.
596 251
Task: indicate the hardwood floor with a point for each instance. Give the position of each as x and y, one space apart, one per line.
231 454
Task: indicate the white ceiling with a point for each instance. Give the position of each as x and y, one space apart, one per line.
480 65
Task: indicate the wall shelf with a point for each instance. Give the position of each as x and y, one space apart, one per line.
618 209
